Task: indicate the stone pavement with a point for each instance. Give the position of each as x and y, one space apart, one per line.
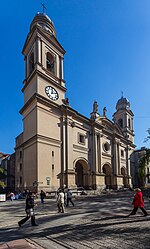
20 244
97 222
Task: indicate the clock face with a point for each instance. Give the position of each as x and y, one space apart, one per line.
51 93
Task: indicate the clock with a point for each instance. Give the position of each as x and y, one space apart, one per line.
51 92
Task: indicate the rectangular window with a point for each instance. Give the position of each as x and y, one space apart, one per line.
81 139
122 153
20 166
20 154
48 181
52 153
52 166
20 180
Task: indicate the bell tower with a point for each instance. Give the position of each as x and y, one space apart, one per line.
124 118
43 57
44 92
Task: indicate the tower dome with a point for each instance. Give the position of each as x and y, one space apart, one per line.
41 19
123 103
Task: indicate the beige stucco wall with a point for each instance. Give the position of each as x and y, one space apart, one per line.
30 122
30 89
30 164
45 162
48 123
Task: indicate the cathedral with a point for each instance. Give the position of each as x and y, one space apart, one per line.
59 146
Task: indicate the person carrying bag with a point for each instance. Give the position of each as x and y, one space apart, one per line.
29 211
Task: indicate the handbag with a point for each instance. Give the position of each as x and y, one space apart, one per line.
30 212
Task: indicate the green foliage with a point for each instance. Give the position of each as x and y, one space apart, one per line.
144 161
2 176
148 136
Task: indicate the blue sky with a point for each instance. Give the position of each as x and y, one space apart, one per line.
107 45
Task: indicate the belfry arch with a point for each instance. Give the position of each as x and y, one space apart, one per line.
81 173
107 171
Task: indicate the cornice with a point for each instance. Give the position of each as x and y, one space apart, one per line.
27 81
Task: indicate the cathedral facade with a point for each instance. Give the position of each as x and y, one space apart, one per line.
58 146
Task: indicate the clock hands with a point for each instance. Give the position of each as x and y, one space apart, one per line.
51 93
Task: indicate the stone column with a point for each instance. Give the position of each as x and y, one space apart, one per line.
25 59
62 68
99 150
39 47
96 153
118 152
115 159
127 165
63 150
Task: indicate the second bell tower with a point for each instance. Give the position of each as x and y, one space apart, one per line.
124 118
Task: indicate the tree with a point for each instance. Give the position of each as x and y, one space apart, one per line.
148 136
3 176
143 162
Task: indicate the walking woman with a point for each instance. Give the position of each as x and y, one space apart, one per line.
138 202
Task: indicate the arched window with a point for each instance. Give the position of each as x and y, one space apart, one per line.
50 62
120 122
31 63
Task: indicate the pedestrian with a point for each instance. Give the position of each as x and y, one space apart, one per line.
29 211
138 202
60 201
12 196
69 198
42 196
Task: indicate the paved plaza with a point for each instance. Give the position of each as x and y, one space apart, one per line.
97 222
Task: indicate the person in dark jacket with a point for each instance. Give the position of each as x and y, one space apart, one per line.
29 211
69 198
138 202
42 196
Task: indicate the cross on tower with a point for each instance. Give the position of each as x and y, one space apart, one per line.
44 7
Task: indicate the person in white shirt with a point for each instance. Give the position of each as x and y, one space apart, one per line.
60 201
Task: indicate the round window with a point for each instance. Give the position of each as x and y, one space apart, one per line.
106 146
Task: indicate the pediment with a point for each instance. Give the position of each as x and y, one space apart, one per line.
118 130
106 123
109 125
52 39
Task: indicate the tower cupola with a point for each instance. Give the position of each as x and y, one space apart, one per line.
42 20
123 103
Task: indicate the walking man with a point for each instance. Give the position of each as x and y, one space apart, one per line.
29 211
42 196
69 198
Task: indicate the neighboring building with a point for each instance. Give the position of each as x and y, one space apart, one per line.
59 146
137 180
3 156
7 161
